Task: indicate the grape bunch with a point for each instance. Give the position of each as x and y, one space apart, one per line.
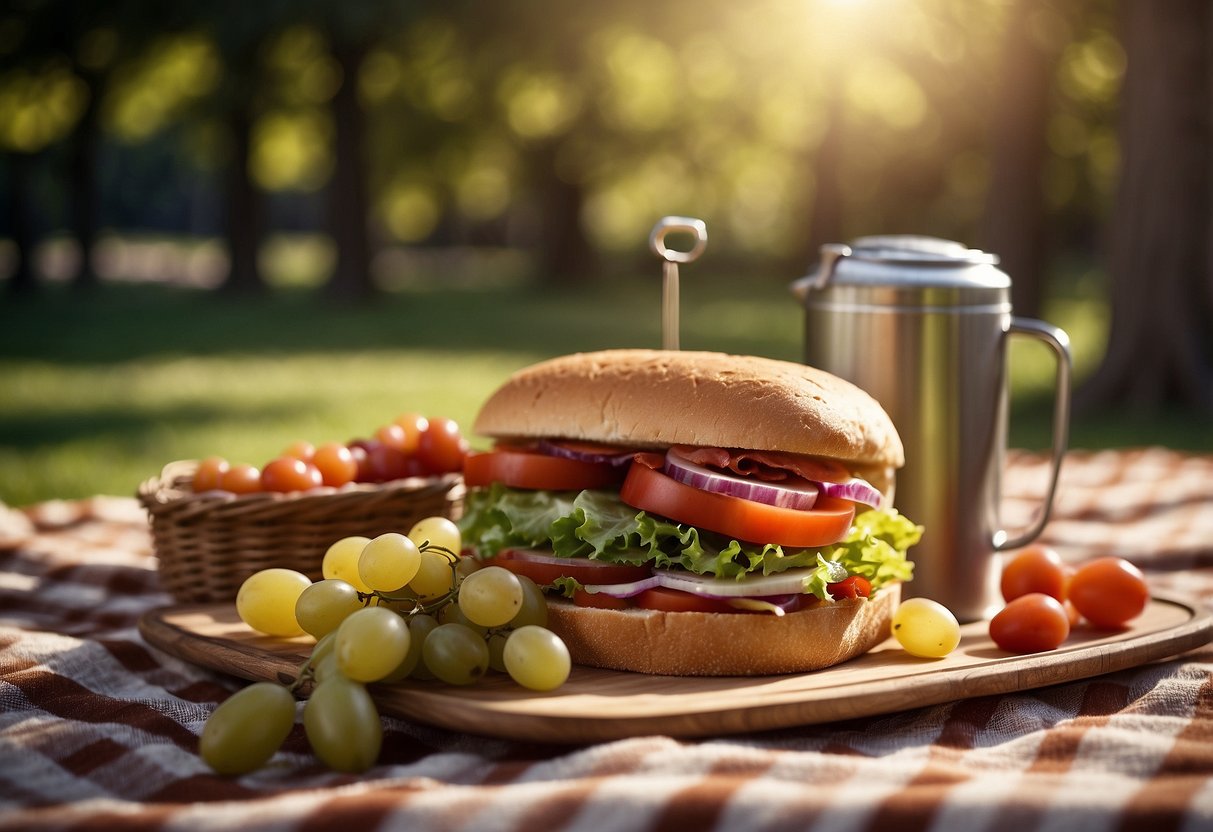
389 608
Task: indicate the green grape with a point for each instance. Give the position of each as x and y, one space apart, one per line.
455 654
403 601
370 643
323 648
419 628
925 628
325 667
266 601
491 596
466 566
247 728
389 562
343 725
439 531
435 576
534 608
452 614
496 644
341 561
324 605
536 658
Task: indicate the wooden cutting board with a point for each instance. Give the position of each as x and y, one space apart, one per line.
596 705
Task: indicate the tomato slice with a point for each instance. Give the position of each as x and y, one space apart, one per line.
855 586
600 600
647 488
519 468
546 570
675 600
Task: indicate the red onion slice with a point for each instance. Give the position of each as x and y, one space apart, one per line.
623 590
587 452
801 495
854 489
788 583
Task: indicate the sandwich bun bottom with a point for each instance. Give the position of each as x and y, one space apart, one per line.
723 644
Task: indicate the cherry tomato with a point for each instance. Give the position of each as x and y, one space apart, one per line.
584 570
209 473
336 464
241 479
1109 592
286 473
385 463
300 450
1031 623
393 436
649 489
360 450
1034 569
413 425
441 447
529 469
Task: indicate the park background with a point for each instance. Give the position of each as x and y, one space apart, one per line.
233 225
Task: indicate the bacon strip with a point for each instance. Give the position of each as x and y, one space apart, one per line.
769 466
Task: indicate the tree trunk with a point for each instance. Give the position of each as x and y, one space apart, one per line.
1162 318
825 219
348 200
23 281
565 254
82 169
1014 225
245 216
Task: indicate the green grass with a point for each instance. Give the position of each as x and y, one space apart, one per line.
98 392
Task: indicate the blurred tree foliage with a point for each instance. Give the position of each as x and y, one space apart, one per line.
569 128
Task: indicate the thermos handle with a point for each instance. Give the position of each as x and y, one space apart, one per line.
1059 342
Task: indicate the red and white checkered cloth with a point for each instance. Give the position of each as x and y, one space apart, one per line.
98 730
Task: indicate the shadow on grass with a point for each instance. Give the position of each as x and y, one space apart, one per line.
1031 427
127 427
120 323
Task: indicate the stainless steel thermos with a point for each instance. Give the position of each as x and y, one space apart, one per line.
922 325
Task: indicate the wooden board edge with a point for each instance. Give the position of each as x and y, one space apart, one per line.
437 707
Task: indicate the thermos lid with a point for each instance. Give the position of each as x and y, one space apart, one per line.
905 271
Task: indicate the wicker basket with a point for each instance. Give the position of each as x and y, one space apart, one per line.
207 544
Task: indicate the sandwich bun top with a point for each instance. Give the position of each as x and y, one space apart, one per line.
658 398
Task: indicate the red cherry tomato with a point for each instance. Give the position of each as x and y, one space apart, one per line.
336 464
241 479
385 463
1031 623
209 473
287 473
441 447
1034 569
1109 592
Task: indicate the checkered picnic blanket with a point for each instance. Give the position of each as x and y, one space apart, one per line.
99 730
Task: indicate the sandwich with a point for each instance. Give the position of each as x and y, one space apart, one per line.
693 513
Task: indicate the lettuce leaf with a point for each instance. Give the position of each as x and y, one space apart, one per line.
597 525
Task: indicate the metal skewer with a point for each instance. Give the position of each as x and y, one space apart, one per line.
669 269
